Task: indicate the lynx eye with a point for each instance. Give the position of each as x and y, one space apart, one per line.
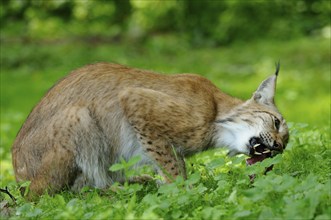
277 123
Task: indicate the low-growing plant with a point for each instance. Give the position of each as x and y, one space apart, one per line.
218 187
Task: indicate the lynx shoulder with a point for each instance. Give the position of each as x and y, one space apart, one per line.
103 112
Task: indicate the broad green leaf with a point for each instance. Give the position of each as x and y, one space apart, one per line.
176 214
117 167
267 213
133 160
193 179
216 163
24 209
183 199
243 213
168 189
207 213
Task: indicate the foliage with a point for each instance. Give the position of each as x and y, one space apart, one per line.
126 166
217 187
38 47
302 91
199 22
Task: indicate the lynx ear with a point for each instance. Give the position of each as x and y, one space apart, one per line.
266 91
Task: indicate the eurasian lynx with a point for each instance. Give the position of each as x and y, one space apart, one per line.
103 112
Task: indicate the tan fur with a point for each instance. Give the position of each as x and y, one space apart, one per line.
102 112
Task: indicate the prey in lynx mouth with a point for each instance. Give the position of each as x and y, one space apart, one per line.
102 113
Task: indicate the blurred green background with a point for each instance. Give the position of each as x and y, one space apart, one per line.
233 43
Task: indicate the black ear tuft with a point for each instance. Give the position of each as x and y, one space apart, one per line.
277 68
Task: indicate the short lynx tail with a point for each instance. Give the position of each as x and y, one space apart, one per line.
277 68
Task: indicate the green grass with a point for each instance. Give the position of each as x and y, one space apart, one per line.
217 186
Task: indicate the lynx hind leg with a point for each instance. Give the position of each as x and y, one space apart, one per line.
142 108
92 149
57 170
56 147
75 156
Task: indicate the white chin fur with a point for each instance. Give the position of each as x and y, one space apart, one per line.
235 136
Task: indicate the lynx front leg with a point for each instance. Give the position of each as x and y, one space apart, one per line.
170 163
157 119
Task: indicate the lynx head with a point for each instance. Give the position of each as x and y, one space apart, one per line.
255 127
